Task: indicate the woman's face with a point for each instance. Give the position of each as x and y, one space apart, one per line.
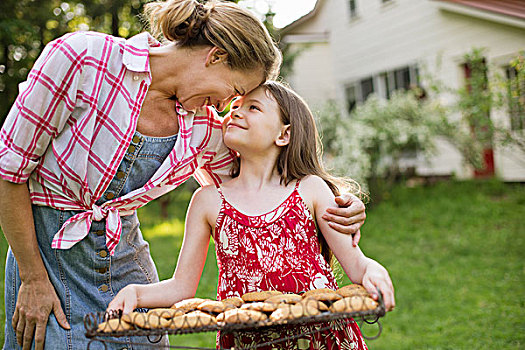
216 84
254 122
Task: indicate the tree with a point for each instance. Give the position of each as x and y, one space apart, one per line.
26 26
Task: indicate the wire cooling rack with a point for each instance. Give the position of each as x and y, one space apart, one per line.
109 327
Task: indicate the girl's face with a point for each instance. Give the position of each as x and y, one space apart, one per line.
254 123
214 83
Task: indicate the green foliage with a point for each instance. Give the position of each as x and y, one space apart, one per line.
377 136
484 91
26 26
514 98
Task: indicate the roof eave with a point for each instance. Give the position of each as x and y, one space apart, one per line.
300 20
479 13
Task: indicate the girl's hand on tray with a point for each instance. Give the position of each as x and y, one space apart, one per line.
377 277
126 300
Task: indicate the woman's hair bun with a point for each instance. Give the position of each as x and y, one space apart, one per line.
191 28
178 20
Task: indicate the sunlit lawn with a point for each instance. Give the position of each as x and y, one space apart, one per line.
456 253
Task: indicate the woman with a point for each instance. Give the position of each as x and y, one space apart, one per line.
102 126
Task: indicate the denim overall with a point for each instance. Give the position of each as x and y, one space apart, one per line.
85 277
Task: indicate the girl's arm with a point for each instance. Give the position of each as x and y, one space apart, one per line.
359 268
189 268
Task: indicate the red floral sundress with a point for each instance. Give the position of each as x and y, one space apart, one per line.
280 251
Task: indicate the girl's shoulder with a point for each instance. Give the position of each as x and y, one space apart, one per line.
313 183
206 203
207 193
312 189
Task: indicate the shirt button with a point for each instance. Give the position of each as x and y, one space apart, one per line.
136 77
99 232
131 149
136 139
102 270
103 288
103 253
110 195
120 175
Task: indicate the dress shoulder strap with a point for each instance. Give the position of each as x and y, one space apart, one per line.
297 184
220 191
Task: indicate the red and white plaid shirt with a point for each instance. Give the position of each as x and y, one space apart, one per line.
73 121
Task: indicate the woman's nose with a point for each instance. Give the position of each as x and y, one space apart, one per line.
235 114
223 103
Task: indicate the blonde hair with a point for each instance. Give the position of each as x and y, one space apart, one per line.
303 154
225 25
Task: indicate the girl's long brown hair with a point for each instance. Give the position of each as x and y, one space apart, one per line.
303 154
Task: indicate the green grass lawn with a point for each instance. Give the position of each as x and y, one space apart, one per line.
455 251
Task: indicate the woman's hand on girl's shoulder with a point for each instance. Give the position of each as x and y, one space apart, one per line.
345 213
348 216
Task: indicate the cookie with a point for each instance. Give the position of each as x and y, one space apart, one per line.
284 298
188 304
165 313
259 296
213 306
328 297
234 301
136 318
192 319
317 291
354 303
241 316
261 306
114 325
351 290
314 303
288 312
146 321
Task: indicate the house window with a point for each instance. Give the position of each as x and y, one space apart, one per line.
351 98
404 78
358 92
516 97
367 87
352 5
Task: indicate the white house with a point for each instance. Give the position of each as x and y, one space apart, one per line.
352 48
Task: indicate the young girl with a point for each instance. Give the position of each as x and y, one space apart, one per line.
263 222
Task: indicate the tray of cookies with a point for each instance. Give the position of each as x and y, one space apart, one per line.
254 310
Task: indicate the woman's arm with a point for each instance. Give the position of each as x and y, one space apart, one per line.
189 268
36 297
359 268
38 115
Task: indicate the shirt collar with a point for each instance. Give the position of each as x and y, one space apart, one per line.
136 58
136 52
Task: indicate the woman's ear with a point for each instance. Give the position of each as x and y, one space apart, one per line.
284 137
216 55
